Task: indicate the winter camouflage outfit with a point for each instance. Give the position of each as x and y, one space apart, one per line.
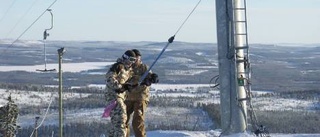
138 98
116 88
8 119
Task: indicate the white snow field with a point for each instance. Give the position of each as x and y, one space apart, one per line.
36 98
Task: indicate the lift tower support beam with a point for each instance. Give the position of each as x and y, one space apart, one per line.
233 113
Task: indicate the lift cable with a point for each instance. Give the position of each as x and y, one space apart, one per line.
5 14
187 17
27 28
21 18
170 40
45 115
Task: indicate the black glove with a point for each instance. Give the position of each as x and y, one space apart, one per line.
126 86
120 90
154 78
146 82
151 78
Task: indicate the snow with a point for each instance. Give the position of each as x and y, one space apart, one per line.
86 66
184 72
172 90
157 87
177 86
34 98
199 66
259 102
200 53
66 67
166 133
175 60
42 98
270 103
215 133
295 135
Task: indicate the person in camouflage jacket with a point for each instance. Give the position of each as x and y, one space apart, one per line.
116 88
138 97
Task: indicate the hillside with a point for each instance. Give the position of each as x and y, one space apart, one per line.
174 107
274 67
285 83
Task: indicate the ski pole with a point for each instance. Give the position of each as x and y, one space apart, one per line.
170 40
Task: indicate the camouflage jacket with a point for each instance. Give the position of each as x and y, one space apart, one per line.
138 93
115 77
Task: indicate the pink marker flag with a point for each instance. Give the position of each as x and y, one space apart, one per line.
109 108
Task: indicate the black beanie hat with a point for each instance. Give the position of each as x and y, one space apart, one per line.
137 52
128 54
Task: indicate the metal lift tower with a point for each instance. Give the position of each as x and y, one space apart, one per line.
233 64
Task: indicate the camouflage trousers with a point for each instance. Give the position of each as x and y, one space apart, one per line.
118 119
138 109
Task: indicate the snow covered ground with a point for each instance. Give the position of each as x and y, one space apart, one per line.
215 133
36 98
212 133
33 98
67 67
166 133
186 90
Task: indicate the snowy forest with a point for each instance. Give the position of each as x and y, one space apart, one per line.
165 112
285 87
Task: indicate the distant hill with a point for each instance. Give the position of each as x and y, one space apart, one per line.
274 67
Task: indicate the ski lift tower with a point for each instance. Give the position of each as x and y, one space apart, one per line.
234 67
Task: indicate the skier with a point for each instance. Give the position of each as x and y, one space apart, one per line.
138 97
116 88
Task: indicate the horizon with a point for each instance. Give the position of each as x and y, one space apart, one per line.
9 41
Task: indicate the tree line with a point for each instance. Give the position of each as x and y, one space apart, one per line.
275 121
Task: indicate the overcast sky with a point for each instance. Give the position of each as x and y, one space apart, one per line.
269 21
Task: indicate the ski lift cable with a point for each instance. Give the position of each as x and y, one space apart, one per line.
21 18
170 40
5 14
45 115
28 27
187 17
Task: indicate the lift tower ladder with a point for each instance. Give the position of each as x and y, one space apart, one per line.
241 47
241 37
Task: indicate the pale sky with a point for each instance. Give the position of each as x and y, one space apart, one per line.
269 21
